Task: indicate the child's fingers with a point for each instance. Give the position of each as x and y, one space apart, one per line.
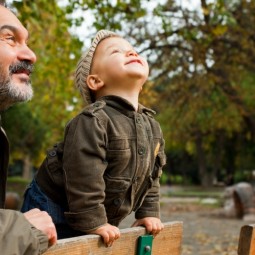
157 228
111 236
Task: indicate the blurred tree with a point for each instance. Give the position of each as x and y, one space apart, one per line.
25 131
55 99
57 51
207 82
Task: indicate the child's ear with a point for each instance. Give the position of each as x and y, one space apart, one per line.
94 82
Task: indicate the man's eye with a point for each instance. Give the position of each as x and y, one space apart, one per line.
10 38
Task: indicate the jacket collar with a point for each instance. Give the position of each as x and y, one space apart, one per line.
125 107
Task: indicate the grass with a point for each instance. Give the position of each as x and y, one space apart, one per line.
17 179
17 184
199 194
195 195
195 191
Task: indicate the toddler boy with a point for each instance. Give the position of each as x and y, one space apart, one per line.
112 156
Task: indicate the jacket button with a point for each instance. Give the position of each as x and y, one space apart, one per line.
141 150
52 153
117 201
138 120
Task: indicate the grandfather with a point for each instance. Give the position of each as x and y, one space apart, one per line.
32 232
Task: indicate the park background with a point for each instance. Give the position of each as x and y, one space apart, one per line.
201 55
201 81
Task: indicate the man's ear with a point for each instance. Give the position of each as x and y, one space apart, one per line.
94 82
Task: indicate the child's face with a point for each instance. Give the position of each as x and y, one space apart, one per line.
116 62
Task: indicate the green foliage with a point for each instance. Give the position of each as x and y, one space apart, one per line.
205 75
55 100
164 179
176 179
25 131
242 176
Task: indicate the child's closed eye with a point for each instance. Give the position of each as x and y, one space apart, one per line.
116 51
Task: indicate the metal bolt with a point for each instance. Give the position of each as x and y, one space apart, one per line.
147 248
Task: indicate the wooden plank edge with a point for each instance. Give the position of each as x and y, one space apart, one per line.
62 245
246 245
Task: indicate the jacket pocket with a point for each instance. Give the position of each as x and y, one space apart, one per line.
116 192
118 158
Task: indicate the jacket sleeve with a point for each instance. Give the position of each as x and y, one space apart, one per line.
151 206
18 236
84 166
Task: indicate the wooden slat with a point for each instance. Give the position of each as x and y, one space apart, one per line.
246 244
168 242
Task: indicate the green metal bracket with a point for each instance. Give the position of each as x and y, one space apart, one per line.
144 245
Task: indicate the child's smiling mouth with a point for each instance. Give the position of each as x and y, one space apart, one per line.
134 61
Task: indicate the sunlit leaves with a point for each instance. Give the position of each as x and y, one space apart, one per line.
57 53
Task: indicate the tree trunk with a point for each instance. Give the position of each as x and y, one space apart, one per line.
26 174
206 177
218 156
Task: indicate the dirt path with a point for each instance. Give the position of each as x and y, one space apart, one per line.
204 233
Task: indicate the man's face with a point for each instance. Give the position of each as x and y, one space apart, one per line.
16 61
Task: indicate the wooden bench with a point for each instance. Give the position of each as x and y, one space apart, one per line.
246 245
167 242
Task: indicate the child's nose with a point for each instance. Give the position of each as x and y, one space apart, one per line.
132 53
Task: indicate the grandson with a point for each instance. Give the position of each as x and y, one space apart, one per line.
113 151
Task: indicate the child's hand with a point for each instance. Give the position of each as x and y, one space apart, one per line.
153 225
108 232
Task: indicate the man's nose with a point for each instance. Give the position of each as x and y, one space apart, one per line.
25 53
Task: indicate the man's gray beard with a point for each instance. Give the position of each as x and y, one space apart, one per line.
11 93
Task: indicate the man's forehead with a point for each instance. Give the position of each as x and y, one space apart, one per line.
5 12
9 21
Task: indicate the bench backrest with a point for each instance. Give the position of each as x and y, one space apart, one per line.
167 242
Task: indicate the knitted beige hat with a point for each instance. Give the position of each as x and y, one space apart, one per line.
84 66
